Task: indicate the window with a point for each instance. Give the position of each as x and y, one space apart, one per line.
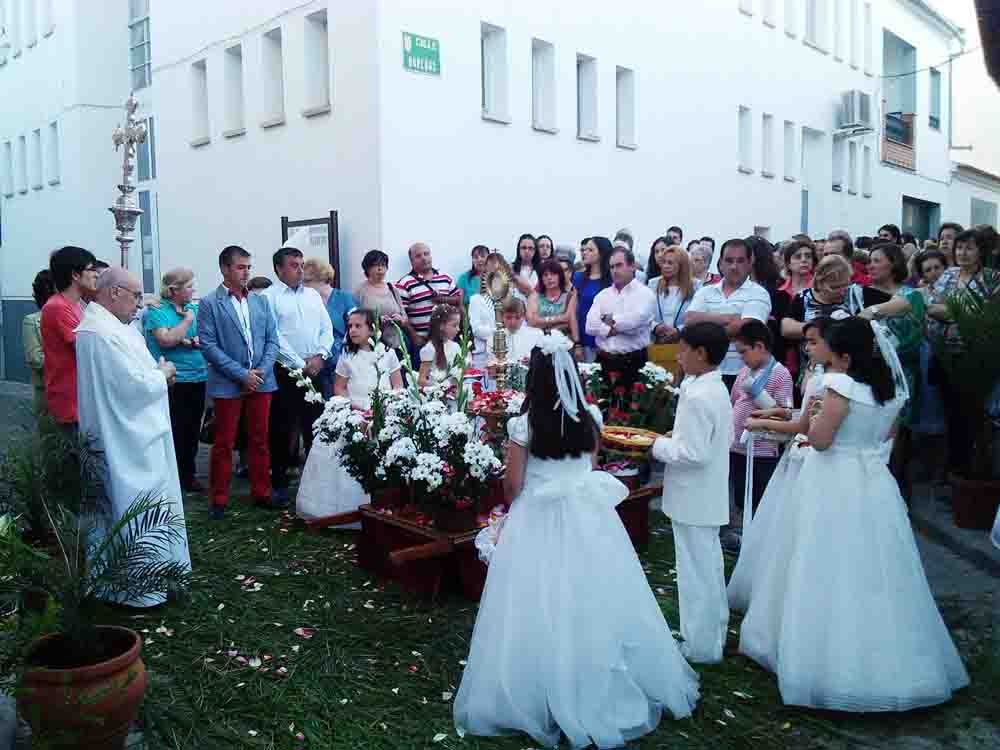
839 28
625 107
983 212
935 115
139 43
852 168
4 32
493 51
792 18
14 19
839 156
232 70
30 18
22 164
52 153
867 38
768 12
855 38
36 159
8 169
46 17
816 22
199 103
790 152
317 51
146 154
273 78
866 176
543 86
767 146
746 6
586 98
745 141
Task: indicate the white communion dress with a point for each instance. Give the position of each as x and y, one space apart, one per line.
325 487
840 608
767 520
569 637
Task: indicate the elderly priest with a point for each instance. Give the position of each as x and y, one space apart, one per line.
123 409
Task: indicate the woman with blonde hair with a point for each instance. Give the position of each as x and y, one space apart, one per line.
674 289
171 330
319 275
831 292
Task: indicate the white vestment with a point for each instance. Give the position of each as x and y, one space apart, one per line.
122 405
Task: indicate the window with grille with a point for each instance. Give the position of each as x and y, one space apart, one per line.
139 55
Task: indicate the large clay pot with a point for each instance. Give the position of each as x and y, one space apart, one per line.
974 502
83 706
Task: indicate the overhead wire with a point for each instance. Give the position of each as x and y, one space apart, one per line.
938 65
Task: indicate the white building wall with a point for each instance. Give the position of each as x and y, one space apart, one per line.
77 77
964 187
234 190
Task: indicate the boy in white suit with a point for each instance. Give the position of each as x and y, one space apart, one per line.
696 489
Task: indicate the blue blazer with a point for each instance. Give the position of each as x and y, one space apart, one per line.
224 345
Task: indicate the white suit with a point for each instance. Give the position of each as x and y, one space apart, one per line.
696 499
123 408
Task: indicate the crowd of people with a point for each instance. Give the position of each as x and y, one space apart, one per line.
771 338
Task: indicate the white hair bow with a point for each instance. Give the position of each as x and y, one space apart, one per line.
558 346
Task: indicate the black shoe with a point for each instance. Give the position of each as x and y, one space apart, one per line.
216 512
731 541
192 485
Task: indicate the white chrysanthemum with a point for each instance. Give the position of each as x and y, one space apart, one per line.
514 404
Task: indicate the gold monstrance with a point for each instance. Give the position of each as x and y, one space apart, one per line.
496 286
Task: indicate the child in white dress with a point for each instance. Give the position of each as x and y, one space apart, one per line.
437 356
840 609
569 638
773 504
326 488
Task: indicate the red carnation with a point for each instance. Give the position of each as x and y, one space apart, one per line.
619 390
477 388
590 399
638 387
614 376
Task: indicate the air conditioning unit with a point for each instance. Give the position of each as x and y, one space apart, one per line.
855 109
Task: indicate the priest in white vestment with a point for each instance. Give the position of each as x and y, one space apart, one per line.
122 402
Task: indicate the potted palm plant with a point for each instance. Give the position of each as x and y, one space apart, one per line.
79 684
975 364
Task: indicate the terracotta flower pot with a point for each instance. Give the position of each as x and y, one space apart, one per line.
974 502
83 706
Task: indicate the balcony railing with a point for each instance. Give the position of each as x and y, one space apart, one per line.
899 140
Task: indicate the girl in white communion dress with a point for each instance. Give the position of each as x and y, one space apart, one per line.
569 638
839 608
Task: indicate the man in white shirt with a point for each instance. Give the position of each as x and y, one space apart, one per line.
305 337
620 321
732 301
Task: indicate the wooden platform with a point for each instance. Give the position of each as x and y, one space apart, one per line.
426 562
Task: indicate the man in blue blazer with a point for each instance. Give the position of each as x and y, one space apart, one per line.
239 341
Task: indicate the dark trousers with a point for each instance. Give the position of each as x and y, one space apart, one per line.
763 470
959 419
187 407
729 381
621 369
289 409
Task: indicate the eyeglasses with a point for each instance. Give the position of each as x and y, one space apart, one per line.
136 295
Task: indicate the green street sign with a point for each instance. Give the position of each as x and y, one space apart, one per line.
421 54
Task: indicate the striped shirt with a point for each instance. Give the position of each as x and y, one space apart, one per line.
779 385
417 295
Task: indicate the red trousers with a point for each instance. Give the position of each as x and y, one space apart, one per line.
227 419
